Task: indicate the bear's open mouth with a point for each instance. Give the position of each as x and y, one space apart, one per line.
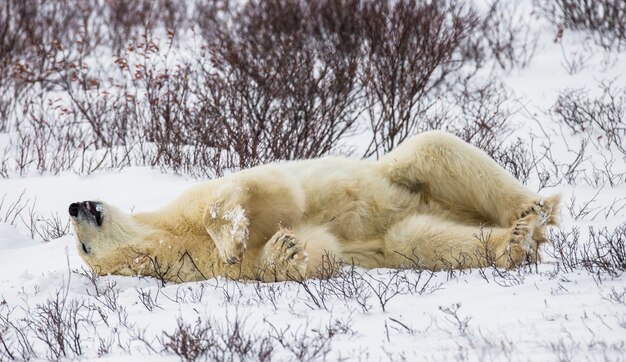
94 209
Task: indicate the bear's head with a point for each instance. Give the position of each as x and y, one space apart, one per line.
100 230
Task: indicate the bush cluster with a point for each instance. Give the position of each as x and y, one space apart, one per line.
604 20
198 88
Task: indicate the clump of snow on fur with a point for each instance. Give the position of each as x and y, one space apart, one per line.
99 207
213 211
237 218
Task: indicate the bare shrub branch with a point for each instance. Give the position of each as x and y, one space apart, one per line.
605 116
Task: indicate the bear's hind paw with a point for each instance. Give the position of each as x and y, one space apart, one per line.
521 245
545 208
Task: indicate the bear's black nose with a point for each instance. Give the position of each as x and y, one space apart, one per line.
74 209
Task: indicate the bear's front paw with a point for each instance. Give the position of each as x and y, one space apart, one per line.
233 252
285 257
228 227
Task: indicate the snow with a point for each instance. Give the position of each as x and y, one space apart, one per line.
529 314
11 238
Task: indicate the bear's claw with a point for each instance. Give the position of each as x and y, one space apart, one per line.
234 253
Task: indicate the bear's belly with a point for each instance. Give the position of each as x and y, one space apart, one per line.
358 208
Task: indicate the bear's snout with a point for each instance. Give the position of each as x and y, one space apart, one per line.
73 209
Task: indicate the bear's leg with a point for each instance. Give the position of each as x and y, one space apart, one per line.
309 251
434 243
464 179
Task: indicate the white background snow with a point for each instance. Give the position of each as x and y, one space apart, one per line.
541 314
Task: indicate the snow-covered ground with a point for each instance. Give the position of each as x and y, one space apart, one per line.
534 314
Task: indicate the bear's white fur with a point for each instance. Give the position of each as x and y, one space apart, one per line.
434 202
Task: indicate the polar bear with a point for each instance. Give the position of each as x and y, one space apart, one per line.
434 202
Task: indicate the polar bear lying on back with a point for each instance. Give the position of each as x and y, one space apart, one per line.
434 202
